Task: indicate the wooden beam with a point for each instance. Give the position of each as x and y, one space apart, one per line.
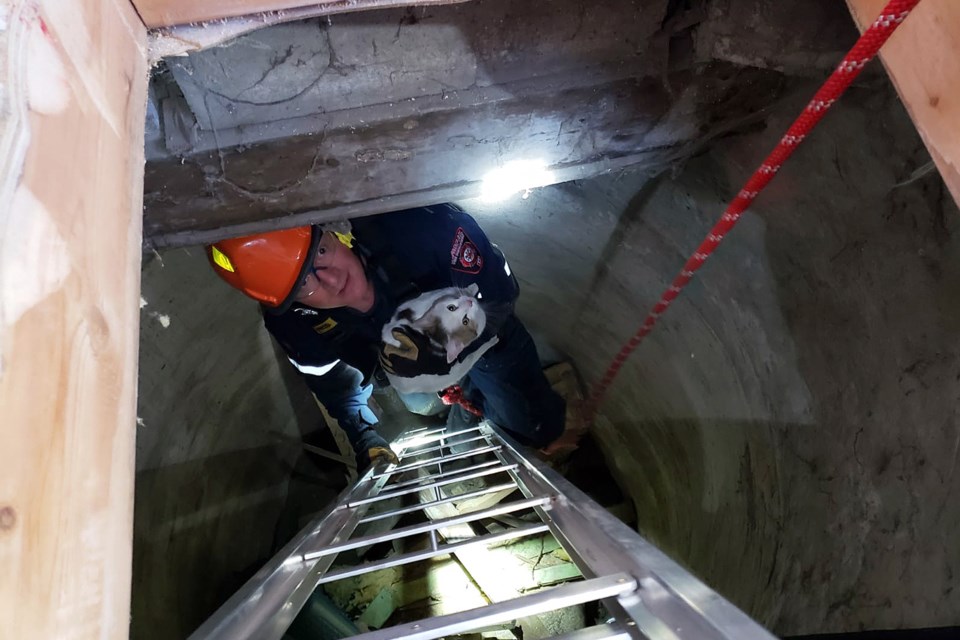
71 154
923 60
167 13
163 13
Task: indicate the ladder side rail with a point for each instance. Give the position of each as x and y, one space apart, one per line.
638 622
654 608
531 485
668 591
259 608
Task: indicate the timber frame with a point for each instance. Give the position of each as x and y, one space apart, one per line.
74 74
923 61
75 78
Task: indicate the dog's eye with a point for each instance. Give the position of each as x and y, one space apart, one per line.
451 307
465 321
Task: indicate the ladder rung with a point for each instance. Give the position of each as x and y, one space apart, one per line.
439 483
410 433
442 474
436 503
437 436
433 525
439 460
442 550
414 454
420 433
611 631
548 600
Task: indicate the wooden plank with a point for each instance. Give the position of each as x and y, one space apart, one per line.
177 39
168 13
923 60
71 141
164 13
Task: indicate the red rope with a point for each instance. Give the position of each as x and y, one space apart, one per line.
862 52
454 395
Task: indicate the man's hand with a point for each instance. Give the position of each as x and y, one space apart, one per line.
375 454
369 447
415 356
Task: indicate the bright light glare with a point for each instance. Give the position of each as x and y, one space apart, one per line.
419 441
515 177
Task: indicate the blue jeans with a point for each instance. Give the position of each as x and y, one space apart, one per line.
424 404
508 385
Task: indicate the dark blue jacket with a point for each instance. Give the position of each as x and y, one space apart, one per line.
405 253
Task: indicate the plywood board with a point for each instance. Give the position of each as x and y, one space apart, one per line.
923 60
71 152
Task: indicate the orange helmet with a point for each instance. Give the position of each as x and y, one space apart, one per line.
266 266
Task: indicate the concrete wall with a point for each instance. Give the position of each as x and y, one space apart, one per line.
789 430
382 110
216 445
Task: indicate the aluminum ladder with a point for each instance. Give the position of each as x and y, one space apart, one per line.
646 593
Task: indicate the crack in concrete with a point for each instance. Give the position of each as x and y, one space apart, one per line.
332 63
276 62
856 454
263 196
581 18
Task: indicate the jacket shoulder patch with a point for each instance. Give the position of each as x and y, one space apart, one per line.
464 255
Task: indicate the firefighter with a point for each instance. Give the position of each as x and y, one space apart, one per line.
326 291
